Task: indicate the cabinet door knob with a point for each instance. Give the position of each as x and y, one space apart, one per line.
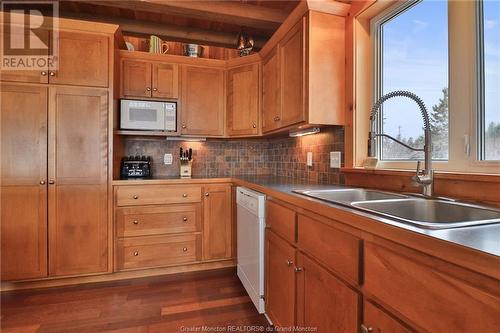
366 329
135 196
52 73
135 222
51 182
254 125
185 219
184 249
289 263
148 89
155 89
277 118
207 194
298 269
42 182
184 195
184 126
44 73
136 253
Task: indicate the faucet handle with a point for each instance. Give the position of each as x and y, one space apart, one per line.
418 171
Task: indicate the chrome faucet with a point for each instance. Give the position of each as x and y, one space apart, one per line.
423 178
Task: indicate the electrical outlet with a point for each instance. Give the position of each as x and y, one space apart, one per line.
335 159
167 159
309 158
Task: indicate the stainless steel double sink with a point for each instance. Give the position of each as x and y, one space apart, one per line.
430 213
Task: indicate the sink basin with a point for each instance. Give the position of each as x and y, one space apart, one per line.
432 214
347 196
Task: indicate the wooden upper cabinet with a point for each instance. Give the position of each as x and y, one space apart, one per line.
217 222
203 99
291 57
83 60
280 280
271 93
243 100
303 76
23 220
165 80
78 181
377 321
323 301
34 76
136 78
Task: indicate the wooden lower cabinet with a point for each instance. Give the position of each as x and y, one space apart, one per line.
280 280
217 222
78 181
323 301
23 213
376 320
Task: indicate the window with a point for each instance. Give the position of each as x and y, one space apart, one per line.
411 43
489 81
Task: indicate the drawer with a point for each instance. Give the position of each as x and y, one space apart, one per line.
281 220
157 194
432 300
154 220
157 251
337 249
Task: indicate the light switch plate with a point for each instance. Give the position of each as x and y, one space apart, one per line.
167 159
309 158
335 159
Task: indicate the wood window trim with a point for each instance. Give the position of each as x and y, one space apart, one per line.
359 89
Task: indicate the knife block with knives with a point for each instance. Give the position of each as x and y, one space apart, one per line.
186 162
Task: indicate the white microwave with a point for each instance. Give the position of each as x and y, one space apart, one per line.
148 115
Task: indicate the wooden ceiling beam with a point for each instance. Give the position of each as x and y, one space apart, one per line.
232 12
168 31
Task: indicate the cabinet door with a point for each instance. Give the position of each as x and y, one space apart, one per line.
36 76
165 80
83 60
323 301
271 94
280 280
78 168
136 78
243 100
23 139
217 222
377 321
202 109
292 76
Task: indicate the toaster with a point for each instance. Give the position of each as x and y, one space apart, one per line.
135 167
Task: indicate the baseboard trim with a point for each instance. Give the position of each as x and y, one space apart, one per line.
58 282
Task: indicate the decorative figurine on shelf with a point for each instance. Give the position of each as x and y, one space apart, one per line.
245 44
186 162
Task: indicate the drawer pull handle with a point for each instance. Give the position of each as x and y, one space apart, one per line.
185 219
135 222
184 195
366 329
148 89
52 73
289 263
136 253
44 73
136 197
184 249
298 269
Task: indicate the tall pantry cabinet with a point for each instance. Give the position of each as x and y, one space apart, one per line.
55 166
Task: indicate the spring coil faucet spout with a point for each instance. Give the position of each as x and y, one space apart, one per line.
422 178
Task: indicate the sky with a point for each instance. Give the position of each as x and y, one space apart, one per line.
415 48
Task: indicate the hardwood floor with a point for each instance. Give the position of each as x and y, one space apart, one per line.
156 304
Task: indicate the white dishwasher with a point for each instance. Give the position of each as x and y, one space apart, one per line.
250 243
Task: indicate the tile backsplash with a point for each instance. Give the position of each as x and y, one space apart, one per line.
283 156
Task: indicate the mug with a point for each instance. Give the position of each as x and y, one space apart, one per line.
156 45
